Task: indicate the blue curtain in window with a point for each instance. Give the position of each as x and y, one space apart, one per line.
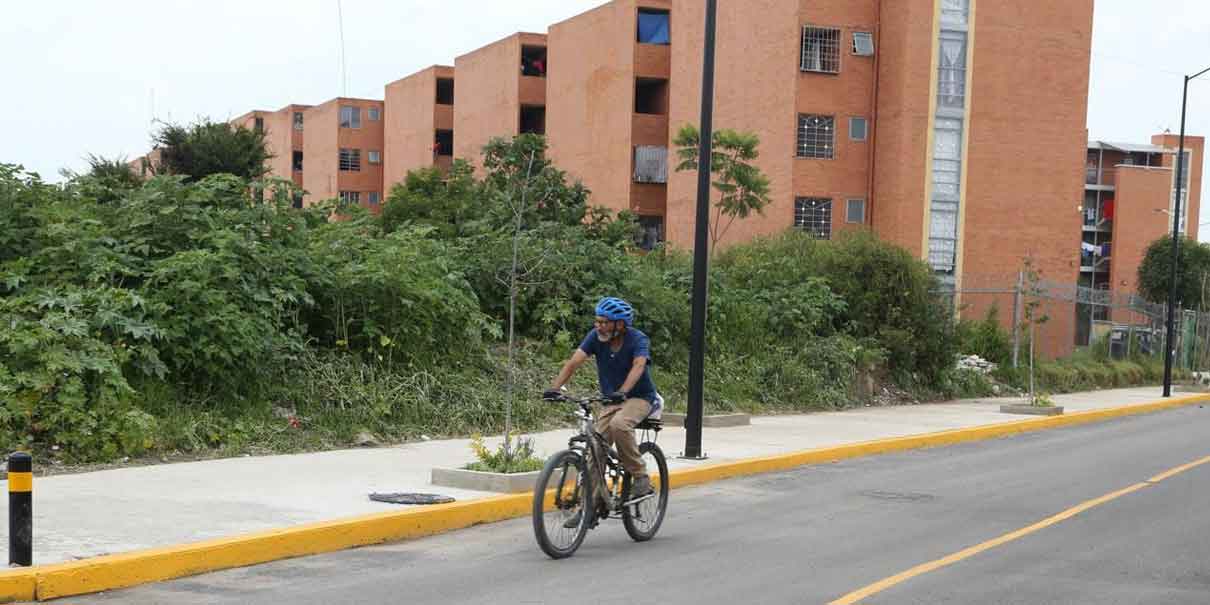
653 28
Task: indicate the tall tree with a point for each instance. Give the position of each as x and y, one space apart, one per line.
205 148
1193 277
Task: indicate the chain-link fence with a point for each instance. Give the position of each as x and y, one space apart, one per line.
1074 316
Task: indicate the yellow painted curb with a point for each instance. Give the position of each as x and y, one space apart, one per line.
153 565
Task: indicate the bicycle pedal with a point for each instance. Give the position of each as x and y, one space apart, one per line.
639 499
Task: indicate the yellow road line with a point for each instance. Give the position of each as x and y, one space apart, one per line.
1178 470
881 585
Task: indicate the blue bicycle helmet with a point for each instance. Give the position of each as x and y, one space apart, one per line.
615 309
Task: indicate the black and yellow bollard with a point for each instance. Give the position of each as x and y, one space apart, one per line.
20 509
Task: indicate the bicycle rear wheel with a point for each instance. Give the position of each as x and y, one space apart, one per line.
643 519
562 504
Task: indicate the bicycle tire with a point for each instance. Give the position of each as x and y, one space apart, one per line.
639 528
556 469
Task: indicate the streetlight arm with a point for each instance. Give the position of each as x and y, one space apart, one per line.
1194 76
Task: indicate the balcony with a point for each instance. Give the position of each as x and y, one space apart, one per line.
532 90
649 129
652 61
443 117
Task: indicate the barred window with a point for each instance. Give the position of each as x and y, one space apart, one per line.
814 215
350 160
821 49
650 164
816 136
350 117
350 197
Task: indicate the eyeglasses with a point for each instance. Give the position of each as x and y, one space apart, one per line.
601 322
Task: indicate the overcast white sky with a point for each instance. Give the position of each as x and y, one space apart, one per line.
80 74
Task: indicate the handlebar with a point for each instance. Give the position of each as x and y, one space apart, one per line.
583 401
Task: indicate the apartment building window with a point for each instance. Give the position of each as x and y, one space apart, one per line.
298 120
650 164
814 215
655 26
855 211
651 96
951 76
374 198
863 44
443 142
258 124
350 160
298 199
816 136
821 49
350 197
374 157
445 91
350 117
533 61
373 114
297 161
1185 168
858 129
652 232
955 12
533 119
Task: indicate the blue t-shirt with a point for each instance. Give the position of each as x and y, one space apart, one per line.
614 366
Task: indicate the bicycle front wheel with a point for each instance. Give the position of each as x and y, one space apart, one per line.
562 504
643 519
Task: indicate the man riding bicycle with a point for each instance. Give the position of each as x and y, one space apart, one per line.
622 353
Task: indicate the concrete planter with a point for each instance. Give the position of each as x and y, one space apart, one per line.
511 483
1032 410
715 421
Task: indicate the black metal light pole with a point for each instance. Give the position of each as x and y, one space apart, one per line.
1170 343
701 252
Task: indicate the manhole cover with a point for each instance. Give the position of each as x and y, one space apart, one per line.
897 496
411 498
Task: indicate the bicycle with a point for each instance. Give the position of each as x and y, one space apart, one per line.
565 510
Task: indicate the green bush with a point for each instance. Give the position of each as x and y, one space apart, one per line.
888 296
985 338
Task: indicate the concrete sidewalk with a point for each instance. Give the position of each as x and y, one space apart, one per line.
115 511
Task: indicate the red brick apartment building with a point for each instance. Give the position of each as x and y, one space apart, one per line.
953 128
1129 193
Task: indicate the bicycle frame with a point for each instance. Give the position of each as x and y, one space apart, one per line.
606 468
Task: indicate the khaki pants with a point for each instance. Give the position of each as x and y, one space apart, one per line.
616 424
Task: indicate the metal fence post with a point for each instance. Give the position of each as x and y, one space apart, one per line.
1017 319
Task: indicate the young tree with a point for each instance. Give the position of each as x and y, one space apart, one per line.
742 187
1033 292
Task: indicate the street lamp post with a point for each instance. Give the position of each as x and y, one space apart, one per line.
701 258
1170 343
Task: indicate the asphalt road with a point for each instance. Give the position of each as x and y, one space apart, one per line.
820 533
